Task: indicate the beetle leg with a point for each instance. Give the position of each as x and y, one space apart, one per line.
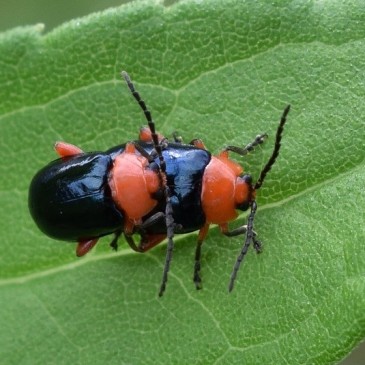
114 243
147 242
154 154
145 135
83 247
177 139
131 243
169 219
151 240
152 220
197 266
242 230
143 152
64 149
150 157
250 147
198 143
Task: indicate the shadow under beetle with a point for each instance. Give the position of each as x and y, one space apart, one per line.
152 187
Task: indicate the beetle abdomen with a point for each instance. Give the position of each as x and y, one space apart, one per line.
70 198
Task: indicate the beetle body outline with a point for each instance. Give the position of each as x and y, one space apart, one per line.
146 187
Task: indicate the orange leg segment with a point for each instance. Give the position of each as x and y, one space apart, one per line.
64 149
84 247
198 143
145 135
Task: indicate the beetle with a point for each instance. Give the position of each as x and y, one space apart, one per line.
152 187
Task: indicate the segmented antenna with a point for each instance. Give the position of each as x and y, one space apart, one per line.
250 232
168 212
147 114
275 152
249 238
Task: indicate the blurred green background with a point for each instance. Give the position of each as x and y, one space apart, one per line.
50 13
53 13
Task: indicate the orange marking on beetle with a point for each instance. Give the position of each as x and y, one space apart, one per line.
218 192
198 143
131 174
223 189
64 149
145 135
235 167
83 247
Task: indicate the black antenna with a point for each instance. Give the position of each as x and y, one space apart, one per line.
275 152
249 237
146 112
163 178
250 234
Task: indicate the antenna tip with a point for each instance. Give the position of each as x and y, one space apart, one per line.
125 76
287 109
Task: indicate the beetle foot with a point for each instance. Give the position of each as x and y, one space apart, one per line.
114 243
257 245
198 283
197 279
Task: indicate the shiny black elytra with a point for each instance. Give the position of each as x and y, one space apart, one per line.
70 199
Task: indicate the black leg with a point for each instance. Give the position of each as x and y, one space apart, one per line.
196 278
197 264
243 230
177 138
170 242
152 220
132 244
114 242
250 147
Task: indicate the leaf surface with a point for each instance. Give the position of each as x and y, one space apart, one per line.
222 72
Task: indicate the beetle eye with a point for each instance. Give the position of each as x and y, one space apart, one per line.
243 194
247 179
154 167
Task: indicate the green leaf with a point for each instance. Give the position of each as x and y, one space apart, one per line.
222 71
